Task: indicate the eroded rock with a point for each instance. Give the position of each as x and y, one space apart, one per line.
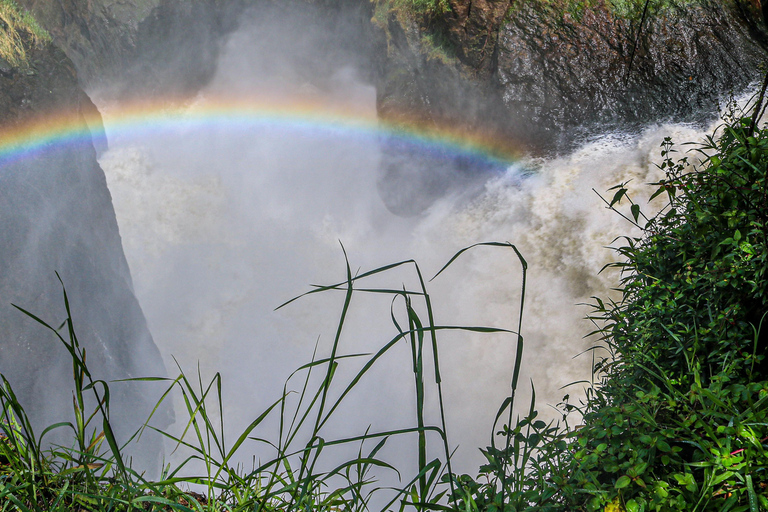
542 69
569 69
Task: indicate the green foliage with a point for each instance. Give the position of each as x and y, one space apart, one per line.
624 9
672 449
521 475
421 8
679 420
18 31
89 476
633 9
694 286
409 9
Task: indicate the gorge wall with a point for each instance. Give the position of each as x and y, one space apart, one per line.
529 71
537 70
58 217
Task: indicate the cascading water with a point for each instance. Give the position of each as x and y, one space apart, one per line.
222 222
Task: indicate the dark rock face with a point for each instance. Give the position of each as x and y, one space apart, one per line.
177 45
563 70
141 46
536 72
96 35
423 82
58 217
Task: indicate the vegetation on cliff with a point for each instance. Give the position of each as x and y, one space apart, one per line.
411 8
18 31
679 421
627 9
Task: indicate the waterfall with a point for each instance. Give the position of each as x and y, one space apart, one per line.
222 222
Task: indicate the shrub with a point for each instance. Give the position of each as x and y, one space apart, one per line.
679 420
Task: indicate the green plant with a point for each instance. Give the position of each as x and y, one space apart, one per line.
18 31
90 476
633 9
411 9
694 283
630 10
426 8
678 418
679 422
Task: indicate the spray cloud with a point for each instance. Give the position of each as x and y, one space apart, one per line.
220 225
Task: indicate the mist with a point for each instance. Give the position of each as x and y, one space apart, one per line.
221 224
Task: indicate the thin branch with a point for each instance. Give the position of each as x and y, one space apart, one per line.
756 115
637 41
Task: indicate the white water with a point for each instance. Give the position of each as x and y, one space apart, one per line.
220 227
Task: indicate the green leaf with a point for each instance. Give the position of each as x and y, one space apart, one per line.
622 482
658 192
618 195
751 494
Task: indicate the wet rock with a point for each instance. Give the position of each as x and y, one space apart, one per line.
6 69
142 45
58 217
540 72
574 69
96 35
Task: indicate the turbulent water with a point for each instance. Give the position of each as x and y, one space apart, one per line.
221 225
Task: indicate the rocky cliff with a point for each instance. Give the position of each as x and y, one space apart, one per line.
537 70
530 71
58 217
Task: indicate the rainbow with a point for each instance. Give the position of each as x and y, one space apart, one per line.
305 115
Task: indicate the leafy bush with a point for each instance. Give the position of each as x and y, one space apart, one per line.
679 420
694 286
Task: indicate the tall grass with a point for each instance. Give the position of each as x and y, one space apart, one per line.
93 475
